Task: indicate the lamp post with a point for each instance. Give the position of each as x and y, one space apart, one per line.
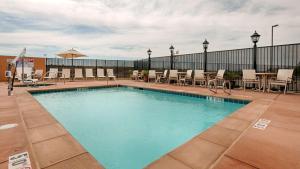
205 46
255 38
271 57
172 56
149 59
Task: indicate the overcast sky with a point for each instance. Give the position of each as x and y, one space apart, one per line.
127 28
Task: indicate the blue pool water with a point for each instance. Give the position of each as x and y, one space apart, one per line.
126 128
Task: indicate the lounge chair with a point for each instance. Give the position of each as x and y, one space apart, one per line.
100 74
249 76
163 76
186 78
30 81
135 75
199 77
284 77
78 74
27 73
51 74
218 79
151 75
173 76
89 73
65 74
110 74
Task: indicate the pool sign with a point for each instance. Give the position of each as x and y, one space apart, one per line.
19 161
262 124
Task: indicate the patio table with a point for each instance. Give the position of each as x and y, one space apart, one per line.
181 74
264 76
209 74
157 74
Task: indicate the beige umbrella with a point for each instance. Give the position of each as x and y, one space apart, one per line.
71 54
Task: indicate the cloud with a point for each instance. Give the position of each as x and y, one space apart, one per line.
127 28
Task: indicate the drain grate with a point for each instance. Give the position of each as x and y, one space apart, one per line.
262 124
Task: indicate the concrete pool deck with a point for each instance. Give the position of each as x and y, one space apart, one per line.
231 143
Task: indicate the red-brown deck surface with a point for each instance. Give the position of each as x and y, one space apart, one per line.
231 143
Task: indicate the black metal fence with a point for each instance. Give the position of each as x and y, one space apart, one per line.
121 67
284 56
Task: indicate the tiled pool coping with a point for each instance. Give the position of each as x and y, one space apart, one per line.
225 145
182 93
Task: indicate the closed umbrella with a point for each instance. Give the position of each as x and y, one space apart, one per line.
71 54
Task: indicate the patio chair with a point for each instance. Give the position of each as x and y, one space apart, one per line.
173 76
89 74
163 76
51 74
78 74
199 77
27 72
284 77
249 76
151 75
65 74
100 73
29 81
135 75
186 78
110 74
218 79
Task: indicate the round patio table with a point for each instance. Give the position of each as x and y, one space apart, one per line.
264 76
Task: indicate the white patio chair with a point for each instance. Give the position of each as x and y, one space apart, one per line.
30 81
100 73
163 76
186 78
249 77
284 77
199 77
218 79
110 74
173 76
152 75
65 74
78 74
135 75
89 74
27 72
51 74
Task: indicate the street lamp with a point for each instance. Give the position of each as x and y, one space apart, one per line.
255 38
149 59
271 57
205 46
172 56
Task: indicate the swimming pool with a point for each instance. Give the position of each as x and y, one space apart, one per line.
128 128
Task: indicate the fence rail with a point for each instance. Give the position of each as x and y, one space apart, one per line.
283 56
121 67
268 59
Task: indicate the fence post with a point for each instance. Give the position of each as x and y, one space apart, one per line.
117 68
123 68
96 66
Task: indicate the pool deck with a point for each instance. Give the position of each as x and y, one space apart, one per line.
231 143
